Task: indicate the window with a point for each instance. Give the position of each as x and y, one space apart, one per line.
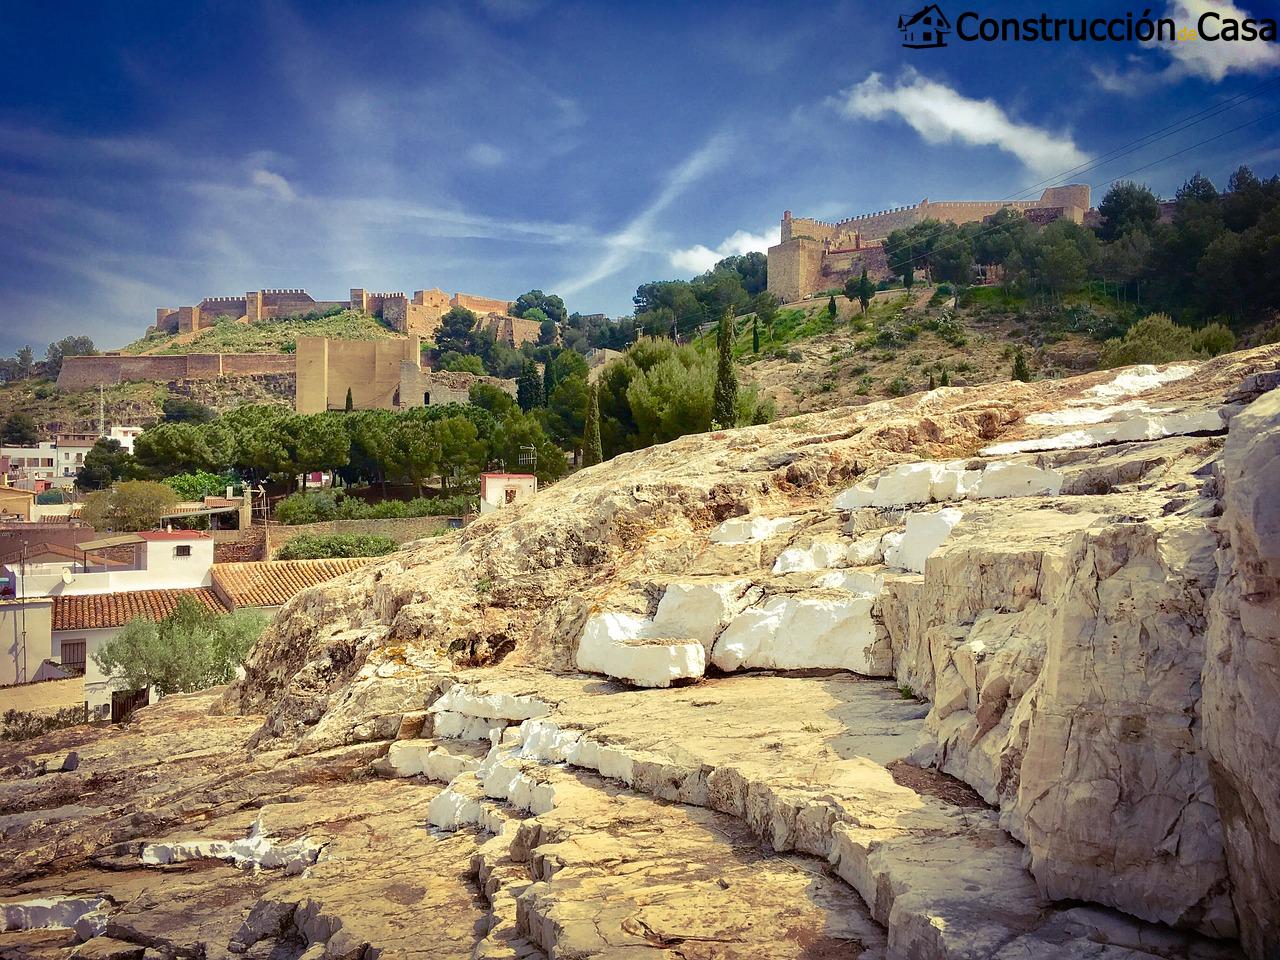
510 494
73 655
182 550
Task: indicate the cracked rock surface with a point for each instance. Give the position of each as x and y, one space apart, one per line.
978 673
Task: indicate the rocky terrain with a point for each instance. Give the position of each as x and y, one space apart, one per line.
986 672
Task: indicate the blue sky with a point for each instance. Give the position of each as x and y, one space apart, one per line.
156 153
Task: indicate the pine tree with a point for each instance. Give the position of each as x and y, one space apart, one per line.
350 404
755 335
724 410
592 451
529 387
1021 370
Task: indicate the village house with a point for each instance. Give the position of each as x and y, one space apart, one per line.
498 490
158 560
81 624
270 584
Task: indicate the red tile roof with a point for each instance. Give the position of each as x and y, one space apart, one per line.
271 583
99 611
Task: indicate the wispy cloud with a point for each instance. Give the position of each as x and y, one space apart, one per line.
486 155
700 258
1212 60
636 237
942 115
272 183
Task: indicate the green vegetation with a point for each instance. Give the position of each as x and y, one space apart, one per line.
268 335
128 506
316 506
199 484
190 649
683 306
19 430
185 410
724 410
1157 339
105 463
21 725
335 546
23 365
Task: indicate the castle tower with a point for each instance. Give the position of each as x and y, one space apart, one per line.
253 305
359 299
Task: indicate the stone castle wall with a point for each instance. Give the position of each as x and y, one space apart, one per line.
373 370
84 373
794 275
481 304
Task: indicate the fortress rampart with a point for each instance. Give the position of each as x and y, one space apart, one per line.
418 315
816 255
84 373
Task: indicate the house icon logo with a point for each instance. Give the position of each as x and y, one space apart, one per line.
925 29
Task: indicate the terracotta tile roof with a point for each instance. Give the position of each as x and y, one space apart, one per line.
270 583
97 611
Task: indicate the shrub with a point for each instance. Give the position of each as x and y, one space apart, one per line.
898 387
317 506
200 484
1157 339
336 545
20 725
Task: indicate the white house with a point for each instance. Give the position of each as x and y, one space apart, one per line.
126 436
82 624
71 454
162 560
32 463
497 490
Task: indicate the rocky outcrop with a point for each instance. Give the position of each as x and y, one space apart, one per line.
921 679
1242 671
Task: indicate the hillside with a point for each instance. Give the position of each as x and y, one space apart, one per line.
934 698
273 335
813 363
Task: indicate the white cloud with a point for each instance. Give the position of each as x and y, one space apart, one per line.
486 155
1214 59
700 258
943 115
274 183
637 235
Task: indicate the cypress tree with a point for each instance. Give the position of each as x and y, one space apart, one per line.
350 404
946 379
724 410
548 380
592 451
755 334
529 387
831 307
1021 369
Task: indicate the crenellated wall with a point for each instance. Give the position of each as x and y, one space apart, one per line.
794 275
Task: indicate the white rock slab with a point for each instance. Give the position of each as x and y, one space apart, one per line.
866 550
697 611
87 916
412 758
954 483
819 555
796 633
925 532
618 645
1016 480
256 851
852 581
908 484
451 725
464 699
1138 379
1136 428
1083 416
856 497
739 530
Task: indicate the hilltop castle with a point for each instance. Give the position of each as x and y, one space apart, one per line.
420 315
814 255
